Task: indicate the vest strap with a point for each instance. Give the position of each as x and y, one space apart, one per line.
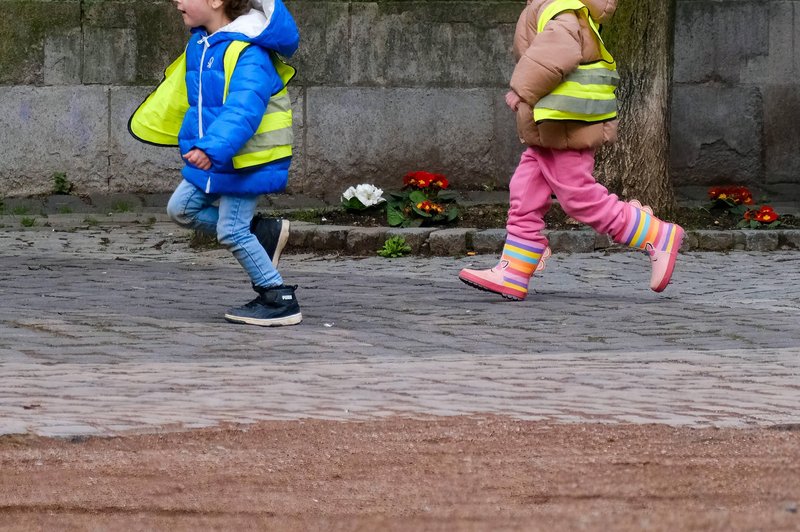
274 137
558 6
586 94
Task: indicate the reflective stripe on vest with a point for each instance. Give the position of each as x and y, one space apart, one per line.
274 136
587 94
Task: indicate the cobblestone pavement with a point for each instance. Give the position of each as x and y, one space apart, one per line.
112 329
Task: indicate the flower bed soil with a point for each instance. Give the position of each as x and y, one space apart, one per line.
494 217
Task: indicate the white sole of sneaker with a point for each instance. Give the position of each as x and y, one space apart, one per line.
283 238
294 319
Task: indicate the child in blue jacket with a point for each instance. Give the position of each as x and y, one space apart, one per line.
224 103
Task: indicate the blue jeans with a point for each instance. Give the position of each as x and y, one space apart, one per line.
192 208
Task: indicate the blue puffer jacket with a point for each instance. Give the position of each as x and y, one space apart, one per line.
221 130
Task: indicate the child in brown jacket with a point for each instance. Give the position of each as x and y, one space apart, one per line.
562 90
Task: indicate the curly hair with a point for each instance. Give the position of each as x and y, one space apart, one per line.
236 8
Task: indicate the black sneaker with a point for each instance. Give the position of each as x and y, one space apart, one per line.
273 306
272 234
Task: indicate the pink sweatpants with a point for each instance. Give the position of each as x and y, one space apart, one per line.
567 174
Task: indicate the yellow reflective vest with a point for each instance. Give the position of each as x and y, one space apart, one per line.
587 94
159 118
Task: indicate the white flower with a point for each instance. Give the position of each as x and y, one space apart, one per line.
349 193
368 195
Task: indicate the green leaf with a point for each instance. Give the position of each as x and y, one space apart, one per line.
394 246
398 195
420 212
394 216
417 196
396 204
353 204
774 224
754 224
743 223
451 214
447 195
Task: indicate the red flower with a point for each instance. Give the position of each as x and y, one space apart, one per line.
422 179
736 195
766 215
425 206
439 181
418 179
744 195
429 206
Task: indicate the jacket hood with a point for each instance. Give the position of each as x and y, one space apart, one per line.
601 10
268 25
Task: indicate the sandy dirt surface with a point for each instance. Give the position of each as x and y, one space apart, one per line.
461 473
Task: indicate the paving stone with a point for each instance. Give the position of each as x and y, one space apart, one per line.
489 241
108 329
415 237
328 238
603 242
761 240
572 241
714 240
789 239
366 241
450 242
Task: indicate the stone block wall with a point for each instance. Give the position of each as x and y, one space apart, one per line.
736 99
71 72
384 87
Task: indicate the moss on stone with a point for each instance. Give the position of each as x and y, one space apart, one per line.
484 13
161 37
23 28
160 34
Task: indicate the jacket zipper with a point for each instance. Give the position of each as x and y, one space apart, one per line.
204 41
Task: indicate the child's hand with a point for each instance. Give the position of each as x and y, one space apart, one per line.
198 158
513 100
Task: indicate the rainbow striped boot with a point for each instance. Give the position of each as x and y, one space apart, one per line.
520 259
661 240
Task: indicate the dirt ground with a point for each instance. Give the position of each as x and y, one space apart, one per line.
458 473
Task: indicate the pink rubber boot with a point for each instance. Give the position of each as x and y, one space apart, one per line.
661 240
511 275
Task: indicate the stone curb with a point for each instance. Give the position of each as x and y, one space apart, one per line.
455 242
365 241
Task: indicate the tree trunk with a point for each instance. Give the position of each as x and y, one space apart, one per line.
640 36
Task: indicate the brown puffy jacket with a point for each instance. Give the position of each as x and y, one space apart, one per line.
544 60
